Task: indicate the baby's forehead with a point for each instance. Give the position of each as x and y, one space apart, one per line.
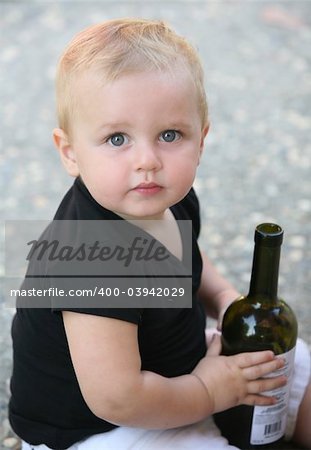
95 78
166 93
140 98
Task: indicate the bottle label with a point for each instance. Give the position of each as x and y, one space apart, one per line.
269 422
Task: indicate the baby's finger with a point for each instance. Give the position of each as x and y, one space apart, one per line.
260 370
250 359
209 335
259 400
215 346
266 384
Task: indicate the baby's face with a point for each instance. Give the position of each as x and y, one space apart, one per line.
137 141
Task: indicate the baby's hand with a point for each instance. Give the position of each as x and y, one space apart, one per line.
238 379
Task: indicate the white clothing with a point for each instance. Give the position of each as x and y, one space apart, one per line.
199 436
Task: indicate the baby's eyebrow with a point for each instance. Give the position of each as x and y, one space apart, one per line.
113 126
177 125
162 126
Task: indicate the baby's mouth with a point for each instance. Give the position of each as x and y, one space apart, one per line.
147 188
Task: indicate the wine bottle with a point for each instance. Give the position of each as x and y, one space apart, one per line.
260 321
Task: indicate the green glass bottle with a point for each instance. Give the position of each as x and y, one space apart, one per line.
260 321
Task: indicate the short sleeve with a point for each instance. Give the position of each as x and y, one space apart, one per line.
132 315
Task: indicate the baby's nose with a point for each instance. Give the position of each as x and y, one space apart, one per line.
147 158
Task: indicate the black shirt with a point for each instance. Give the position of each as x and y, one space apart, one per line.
46 405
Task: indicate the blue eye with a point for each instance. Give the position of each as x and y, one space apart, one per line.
117 139
169 136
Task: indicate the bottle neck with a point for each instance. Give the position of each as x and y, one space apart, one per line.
265 272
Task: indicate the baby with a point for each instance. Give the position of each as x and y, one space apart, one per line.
132 122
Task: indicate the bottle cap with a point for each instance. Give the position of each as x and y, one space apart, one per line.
269 235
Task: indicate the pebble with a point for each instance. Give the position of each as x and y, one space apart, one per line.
297 241
296 255
11 442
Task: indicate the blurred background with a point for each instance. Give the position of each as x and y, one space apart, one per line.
257 161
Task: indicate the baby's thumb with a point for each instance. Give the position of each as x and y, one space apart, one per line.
214 348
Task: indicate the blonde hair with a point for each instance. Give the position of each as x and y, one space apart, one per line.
121 46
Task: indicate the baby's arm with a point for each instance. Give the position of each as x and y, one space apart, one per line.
107 363
215 292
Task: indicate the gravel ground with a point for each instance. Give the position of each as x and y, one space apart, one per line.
257 161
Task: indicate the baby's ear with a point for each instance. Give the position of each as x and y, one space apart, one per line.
66 151
203 136
205 130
